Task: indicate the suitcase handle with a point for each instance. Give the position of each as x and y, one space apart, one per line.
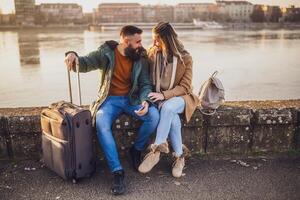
78 83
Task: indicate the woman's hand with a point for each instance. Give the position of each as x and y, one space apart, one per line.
156 96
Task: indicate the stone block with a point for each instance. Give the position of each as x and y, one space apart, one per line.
194 139
274 130
24 135
197 120
229 139
273 116
273 138
230 116
3 144
24 124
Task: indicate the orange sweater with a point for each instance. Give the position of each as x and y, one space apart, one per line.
121 79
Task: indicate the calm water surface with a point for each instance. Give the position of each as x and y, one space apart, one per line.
253 65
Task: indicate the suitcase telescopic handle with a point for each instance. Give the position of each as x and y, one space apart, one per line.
78 83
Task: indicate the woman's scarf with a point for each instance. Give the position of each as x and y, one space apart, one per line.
163 73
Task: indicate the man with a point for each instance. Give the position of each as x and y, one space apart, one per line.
124 87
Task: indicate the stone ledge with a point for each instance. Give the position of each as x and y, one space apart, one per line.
274 116
239 127
231 116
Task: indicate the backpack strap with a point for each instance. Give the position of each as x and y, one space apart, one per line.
206 113
214 74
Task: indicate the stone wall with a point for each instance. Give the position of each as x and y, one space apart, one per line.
237 127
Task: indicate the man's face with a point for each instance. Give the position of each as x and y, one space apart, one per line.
135 41
134 47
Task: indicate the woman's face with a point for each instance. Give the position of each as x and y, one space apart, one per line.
157 41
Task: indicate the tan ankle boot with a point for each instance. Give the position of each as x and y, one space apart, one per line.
178 166
163 147
152 158
186 151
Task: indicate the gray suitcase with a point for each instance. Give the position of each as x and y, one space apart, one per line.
67 138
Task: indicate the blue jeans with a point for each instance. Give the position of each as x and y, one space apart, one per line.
170 124
111 108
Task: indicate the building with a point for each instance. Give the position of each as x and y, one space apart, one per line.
134 12
265 13
88 18
238 11
272 13
156 13
25 10
291 14
258 14
7 19
186 12
60 12
118 12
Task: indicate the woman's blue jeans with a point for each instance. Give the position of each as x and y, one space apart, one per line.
170 125
108 112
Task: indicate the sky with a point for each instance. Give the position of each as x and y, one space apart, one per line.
7 6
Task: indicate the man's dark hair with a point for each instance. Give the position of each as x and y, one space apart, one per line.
130 30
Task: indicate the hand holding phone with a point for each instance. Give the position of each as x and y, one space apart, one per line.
143 110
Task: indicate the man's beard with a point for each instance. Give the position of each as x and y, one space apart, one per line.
133 54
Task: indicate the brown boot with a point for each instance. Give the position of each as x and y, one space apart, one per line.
163 147
186 151
178 166
152 158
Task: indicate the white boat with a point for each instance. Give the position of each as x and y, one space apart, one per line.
207 24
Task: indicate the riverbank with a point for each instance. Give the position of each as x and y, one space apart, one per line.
260 26
179 26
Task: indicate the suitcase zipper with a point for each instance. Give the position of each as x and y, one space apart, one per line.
72 163
71 144
74 153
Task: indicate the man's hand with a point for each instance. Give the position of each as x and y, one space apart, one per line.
156 96
143 110
70 59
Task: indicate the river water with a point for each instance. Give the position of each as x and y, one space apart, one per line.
252 65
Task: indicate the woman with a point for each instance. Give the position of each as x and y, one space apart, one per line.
171 70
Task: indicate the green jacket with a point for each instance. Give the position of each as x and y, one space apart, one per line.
103 59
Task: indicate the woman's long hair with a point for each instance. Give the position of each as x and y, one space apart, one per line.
172 45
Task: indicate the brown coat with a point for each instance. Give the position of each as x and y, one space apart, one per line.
183 86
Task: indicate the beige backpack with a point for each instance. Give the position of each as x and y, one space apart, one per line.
211 95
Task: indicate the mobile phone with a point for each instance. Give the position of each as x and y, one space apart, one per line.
141 108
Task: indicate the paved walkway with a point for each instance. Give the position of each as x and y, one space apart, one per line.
264 178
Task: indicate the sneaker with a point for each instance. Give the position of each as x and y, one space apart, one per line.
135 156
178 166
118 186
152 158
